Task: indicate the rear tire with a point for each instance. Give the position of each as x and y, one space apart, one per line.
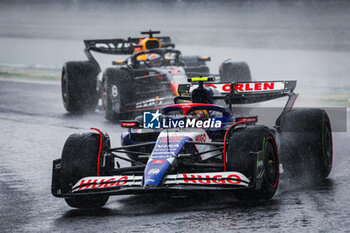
79 86
241 144
116 85
80 159
234 72
306 144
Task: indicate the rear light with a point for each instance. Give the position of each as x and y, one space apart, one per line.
130 124
247 119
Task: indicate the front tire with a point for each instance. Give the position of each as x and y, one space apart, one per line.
80 159
256 139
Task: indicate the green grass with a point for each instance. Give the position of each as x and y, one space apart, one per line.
30 73
337 99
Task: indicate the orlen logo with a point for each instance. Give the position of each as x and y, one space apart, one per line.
102 183
249 87
216 179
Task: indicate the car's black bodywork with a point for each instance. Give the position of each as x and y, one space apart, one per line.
135 84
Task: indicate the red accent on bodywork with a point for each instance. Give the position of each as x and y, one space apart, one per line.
120 179
96 186
83 183
174 87
235 177
204 181
128 124
158 161
226 87
294 103
210 85
189 179
186 107
248 119
216 179
108 185
99 152
239 87
175 71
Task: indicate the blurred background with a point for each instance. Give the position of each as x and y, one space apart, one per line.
304 40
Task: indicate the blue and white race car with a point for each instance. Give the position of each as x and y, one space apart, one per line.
197 146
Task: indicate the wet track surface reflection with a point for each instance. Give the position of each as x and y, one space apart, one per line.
288 41
34 134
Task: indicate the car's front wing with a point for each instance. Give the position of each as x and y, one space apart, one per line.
129 184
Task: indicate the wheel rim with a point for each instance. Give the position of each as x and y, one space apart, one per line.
271 164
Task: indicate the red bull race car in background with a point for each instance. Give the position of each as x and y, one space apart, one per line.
148 78
195 145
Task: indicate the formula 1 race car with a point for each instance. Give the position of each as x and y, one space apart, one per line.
199 147
146 79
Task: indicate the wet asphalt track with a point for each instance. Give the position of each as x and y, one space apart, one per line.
305 43
34 127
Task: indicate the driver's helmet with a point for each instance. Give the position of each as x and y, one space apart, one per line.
201 114
154 59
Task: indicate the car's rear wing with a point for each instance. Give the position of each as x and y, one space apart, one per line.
122 46
126 46
242 92
238 92
255 91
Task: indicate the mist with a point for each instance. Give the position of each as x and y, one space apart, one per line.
307 41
